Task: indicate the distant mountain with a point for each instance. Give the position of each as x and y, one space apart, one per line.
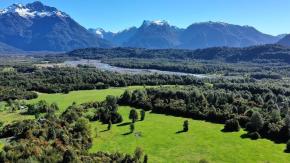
116 38
6 49
216 34
285 41
155 35
36 27
160 34
281 36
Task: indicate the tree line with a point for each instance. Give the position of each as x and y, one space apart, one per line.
263 114
21 83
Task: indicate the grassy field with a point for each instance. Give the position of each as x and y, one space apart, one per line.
158 137
65 100
203 141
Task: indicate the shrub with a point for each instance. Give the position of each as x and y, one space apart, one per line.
254 135
185 125
142 112
145 159
232 125
288 146
138 153
133 115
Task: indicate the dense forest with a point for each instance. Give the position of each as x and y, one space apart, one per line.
270 53
20 82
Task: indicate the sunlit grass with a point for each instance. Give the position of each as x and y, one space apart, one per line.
203 141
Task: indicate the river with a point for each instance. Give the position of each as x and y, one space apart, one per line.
106 67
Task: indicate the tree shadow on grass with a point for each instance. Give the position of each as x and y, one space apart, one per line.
227 131
245 136
124 124
179 132
127 133
104 130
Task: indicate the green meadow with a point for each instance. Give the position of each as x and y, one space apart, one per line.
158 138
205 141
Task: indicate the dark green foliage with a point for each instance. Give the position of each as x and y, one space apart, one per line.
133 115
232 125
142 113
254 135
19 85
54 139
69 156
269 52
138 153
41 107
145 159
109 111
288 146
125 97
13 93
256 122
275 116
185 125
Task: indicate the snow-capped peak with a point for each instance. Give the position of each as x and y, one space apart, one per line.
155 22
31 10
99 32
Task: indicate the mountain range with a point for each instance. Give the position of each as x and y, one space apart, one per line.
37 27
285 41
160 34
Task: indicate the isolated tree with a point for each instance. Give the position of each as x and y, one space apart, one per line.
133 115
111 103
143 113
145 159
132 127
232 125
185 125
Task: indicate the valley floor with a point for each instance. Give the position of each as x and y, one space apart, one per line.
158 138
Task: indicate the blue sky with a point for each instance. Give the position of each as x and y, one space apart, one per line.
268 16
